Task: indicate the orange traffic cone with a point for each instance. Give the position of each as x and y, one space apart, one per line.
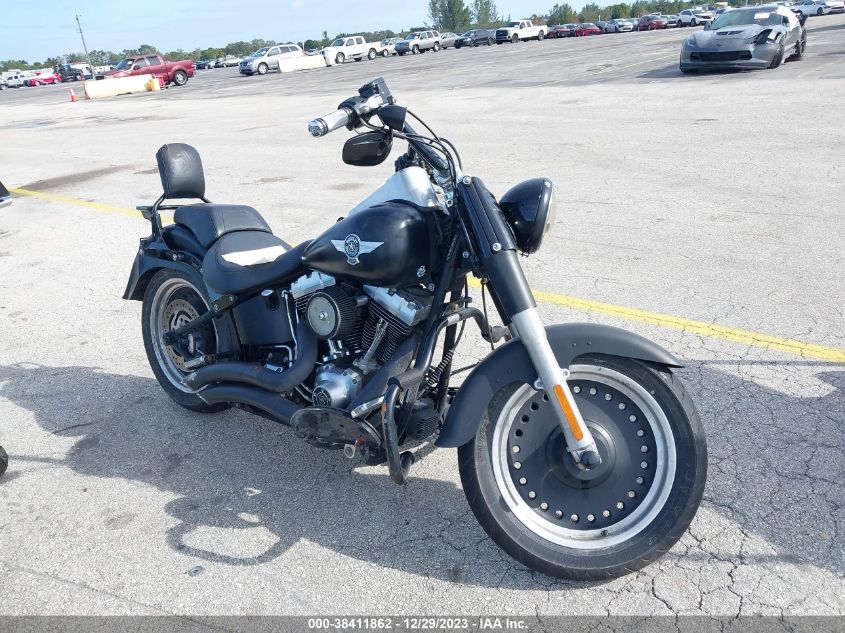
73 97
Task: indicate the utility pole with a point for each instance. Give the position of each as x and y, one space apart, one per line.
84 46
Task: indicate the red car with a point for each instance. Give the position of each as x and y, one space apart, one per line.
43 79
651 22
587 28
172 72
561 30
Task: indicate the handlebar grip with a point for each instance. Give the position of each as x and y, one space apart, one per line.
329 123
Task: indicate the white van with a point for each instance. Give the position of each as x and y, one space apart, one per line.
14 79
353 47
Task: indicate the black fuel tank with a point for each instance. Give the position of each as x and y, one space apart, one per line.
385 245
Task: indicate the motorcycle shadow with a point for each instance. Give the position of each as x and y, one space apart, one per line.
248 489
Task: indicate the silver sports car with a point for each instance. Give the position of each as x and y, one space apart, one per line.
752 37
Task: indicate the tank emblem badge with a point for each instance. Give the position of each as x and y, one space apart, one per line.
353 246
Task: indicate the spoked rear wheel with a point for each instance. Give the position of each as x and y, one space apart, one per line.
531 498
171 300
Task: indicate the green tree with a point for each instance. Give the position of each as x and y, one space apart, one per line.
591 12
562 14
485 14
449 15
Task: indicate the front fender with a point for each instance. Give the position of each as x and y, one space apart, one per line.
510 363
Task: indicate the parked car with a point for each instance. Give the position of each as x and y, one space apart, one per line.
476 37
205 64
694 17
558 31
351 47
601 24
817 7
388 46
172 72
448 39
619 25
571 28
14 79
752 37
268 58
75 72
587 28
227 62
4 85
43 79
651 22
419 42
671 21
518 30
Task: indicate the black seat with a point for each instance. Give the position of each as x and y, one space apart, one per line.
227 266
182 176
208 222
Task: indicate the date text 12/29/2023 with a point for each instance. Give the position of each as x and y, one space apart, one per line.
421 623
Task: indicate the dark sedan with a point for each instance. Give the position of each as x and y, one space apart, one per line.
651 22
475 38
563 30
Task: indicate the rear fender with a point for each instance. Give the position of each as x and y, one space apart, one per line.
510 363
146 266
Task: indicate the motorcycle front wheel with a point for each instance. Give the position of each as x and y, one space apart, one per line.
537 505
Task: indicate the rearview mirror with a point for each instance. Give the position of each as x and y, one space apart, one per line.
393 116
368 149
136 67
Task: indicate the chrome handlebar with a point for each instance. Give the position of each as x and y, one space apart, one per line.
329 123
348 113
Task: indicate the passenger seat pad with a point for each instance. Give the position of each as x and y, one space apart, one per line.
208 222
255 257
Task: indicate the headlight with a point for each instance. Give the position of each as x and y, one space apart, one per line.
690 43
530 210
762 37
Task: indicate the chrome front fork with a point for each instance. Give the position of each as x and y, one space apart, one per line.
552 379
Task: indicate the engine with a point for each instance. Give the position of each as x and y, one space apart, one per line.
362 327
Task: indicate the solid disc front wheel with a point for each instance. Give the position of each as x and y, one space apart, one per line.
531 498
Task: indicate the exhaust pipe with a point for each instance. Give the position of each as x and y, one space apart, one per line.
279 408
258 375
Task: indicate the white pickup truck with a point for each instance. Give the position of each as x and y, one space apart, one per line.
520 30
352 47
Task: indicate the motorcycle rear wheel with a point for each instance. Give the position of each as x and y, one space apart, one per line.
172 299
531 499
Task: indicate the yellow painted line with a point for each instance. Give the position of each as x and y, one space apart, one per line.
746 337
97 206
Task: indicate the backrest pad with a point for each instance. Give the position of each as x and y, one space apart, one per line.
180 168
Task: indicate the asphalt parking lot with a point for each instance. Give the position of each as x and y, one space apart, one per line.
702 211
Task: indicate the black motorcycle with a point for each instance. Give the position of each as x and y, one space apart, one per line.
580 453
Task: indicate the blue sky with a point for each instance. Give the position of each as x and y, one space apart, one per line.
37 30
